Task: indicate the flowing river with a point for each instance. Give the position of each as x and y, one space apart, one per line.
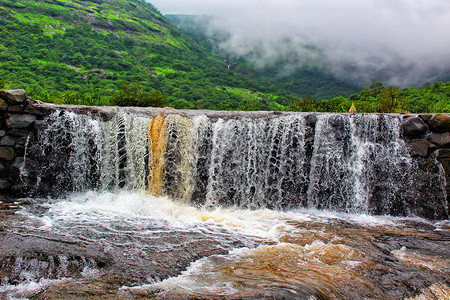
176 207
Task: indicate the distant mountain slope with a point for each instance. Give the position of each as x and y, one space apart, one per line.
131 18
309 78
64 51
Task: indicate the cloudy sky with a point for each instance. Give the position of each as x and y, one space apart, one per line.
403 41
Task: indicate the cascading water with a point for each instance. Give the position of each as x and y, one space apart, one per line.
282 206
350 163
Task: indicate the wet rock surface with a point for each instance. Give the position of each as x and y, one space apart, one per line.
414 127
440 123
96 253
13 97
428 137
20 121
328 259
441 140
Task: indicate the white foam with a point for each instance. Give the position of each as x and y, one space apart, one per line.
98 206
27 289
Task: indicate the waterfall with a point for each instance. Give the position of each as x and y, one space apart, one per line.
352 163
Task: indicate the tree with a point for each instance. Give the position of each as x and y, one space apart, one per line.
376 88
305 103
391 100
131 95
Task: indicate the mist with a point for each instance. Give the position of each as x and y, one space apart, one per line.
399 42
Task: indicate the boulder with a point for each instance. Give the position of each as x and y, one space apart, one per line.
444 158
3 169
35 109
20 121
425 118
4 184
7 141
442 140
20 146
2 133
414 127
15 109
20 150
3 105
18 132
419 147
311 120
40 125
443 154
22 141
13 96
6 153
440 123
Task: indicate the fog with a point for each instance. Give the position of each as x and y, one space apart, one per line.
401 42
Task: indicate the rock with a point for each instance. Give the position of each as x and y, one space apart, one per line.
22 141
3 105
414 127
18 132
425 118
442 140
443 153
339 128
2 133
20 121
7 153
440 123
311 120
4 184
419 147
36 110
40 125
432 148
7 141
13 96
446 165
20 150
2 169
15 109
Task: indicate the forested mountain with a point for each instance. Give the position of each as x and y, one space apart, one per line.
83 51
124 52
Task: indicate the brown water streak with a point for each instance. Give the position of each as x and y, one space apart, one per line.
156 136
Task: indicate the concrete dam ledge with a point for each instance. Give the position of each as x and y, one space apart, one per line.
426 138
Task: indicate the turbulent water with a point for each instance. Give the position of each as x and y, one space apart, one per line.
127 246
207 207
349 163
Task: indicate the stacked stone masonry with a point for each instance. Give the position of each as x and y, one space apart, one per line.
427 136
19 117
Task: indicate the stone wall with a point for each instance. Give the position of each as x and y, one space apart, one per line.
427 136
19 117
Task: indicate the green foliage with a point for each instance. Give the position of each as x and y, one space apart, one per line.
82 98
305 103
46 51
377 98
131 55
391 100
132 95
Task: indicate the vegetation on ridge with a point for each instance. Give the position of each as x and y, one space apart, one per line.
432 98
124 52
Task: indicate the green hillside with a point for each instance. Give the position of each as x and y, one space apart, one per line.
84 51
311 80
124 52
